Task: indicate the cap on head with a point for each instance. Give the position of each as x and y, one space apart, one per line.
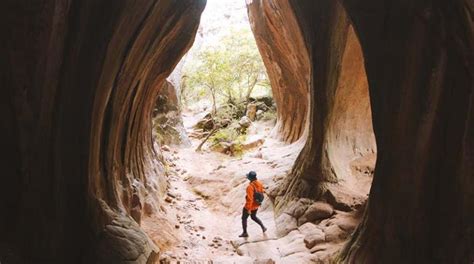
252 175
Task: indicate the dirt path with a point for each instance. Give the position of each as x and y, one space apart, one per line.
200 220
206 196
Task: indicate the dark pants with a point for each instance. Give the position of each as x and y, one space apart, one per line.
253 215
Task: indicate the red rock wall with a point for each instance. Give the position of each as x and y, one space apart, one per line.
418 58
314 168
286 60
350 132
419 62
80 79
339 106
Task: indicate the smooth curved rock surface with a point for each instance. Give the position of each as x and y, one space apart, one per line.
418 59
287 63
340 126
80 80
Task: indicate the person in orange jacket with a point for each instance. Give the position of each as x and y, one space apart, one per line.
251 205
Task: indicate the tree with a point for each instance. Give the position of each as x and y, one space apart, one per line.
227 71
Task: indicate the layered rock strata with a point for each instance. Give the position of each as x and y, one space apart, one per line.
419 63
286 60
80 80
418 59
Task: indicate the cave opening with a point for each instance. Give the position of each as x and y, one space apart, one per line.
240 100
85 182
216 120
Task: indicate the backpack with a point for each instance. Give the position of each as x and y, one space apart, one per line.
257 196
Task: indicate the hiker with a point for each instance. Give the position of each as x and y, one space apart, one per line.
253 200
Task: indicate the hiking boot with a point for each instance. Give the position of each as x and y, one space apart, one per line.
264 229
244 234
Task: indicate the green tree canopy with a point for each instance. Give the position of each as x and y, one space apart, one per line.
227 71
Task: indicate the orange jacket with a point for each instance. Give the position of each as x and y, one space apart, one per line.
250 203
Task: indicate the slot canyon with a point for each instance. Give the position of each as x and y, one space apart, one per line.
370 159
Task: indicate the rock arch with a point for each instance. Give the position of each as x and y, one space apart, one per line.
76 106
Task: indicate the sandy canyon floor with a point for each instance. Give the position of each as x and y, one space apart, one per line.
201 217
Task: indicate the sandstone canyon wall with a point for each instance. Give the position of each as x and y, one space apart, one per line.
419 62
80 79
284 54
168 128
79 82
418 58
340 128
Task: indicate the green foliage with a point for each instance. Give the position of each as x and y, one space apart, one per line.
228 71
231 137
269 115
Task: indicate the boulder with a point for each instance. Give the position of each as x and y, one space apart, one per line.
253 144
298 208
221 147
312 234
245 122
334 233
251 111
317 211
285 223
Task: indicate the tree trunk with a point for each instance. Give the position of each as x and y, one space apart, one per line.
198 149
250 89
214 107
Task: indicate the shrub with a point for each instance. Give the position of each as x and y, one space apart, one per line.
232 137
269 116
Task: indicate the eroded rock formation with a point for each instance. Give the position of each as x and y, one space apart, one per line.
287 63
340 129
167 120
80 80
419 62
418 59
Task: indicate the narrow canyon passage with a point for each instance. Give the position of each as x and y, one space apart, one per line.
200 218
206 195
369 157
212 126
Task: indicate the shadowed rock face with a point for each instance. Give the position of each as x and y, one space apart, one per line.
418 59
419 62
340 118
286 59
340 127
80 80
168 126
